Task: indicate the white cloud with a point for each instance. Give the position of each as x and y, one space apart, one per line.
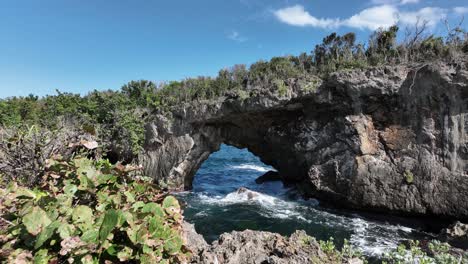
404 2
373 18
460 10
369 18
236 36
432 15
394 2
297 16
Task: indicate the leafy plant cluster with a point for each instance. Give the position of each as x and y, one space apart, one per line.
90 211
438 253
347 252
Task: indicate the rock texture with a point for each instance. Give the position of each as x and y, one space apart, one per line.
257 247
388 138
456 234
268 177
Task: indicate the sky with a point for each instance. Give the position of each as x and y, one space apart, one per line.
81 45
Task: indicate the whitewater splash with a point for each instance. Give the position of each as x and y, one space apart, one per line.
251 167
216 206
373 238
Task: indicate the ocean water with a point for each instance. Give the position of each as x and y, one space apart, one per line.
215 207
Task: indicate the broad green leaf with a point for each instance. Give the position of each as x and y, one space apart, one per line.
132 233
153 208
36 220
25 192
111 219
82 213
90 236
155 224
170 201
66 230
130 197
83 217
46 234
105 178
138 205
85 183
112 250
173 245
42 257
70 189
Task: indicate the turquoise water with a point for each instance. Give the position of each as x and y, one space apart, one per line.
215 207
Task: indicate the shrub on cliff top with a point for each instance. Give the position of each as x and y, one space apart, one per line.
89 211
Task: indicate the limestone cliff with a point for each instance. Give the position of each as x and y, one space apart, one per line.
386 138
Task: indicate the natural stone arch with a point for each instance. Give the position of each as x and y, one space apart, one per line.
354 141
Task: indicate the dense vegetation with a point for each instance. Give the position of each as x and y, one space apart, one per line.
89 211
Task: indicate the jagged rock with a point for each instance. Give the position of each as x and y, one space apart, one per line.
383 139
258 247
268 176
456 234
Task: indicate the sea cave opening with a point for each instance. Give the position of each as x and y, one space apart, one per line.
225 197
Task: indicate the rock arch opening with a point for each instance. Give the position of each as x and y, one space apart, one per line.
229 169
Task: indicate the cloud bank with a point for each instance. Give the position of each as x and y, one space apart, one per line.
371 18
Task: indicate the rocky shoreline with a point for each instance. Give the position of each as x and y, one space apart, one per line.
259 247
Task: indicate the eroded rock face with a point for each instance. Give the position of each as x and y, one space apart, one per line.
258 247
390 138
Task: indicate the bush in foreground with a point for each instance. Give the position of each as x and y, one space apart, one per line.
88 211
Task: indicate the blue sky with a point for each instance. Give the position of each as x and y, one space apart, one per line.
78 46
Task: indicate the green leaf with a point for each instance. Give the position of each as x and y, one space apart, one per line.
138 205
105 178
112 250
36 220
173 245
132 233
82 216
153 208
82 213
70 189
66 230
130 197
155 224
170 201
46 234
42 257
90 236
111 219
24 192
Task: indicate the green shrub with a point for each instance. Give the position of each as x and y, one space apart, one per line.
90 211
243 94
439 253
281 87
409 177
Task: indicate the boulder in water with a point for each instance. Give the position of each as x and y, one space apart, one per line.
250 194
268 176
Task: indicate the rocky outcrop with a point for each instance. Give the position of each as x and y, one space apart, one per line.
387 138
257 247
456 234
268 177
